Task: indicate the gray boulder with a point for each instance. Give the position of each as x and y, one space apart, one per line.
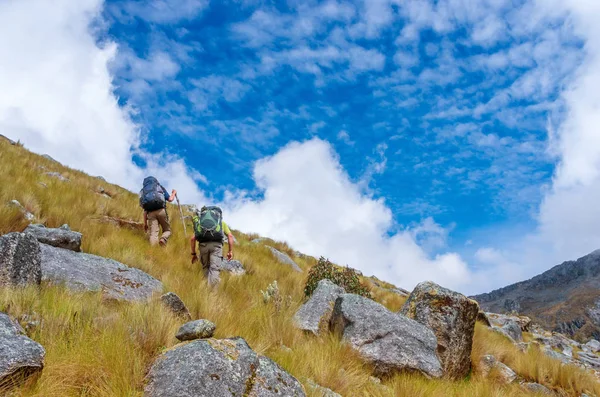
285 259
233 266
452 318
536 388
26 214
61 237
198 329
176 305
489 365
58 176
85 272
512 330
20 260
319 390
389 341
20 357
218 367
47 157
317 310
501 320
593 345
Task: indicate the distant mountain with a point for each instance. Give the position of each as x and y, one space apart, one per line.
565 298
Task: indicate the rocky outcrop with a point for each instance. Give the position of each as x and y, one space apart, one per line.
501 320
452 318
62 237
218 368
512 330
20 260
490 366
389 341
593 345
176 305
85 272
233 266
26 214
20 357
198 329
316 312
285 259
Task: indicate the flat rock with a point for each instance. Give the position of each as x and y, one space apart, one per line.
389 341
218 368
452 318
62 237
317 310
176 305
490 365
233 266
589 359
20 357
86 272
285 259
593 345
198 329
536 388
20 260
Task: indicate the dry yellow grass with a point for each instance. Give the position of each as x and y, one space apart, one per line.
97 348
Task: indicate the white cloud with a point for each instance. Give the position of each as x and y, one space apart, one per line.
161 11
310 202
56 94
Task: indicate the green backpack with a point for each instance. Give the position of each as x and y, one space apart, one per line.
208 224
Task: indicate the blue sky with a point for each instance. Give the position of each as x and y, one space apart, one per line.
446 120
447 140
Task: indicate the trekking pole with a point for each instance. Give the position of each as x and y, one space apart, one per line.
181 213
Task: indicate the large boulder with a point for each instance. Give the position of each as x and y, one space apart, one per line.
62 237
85 272
218 367
20 357
391 342
452 318
317 310
20 260
285 259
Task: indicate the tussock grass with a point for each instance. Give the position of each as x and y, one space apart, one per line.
100 348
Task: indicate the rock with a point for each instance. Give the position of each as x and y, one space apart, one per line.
176 305
62 237
20 260
589 359
258 240
490 365
400 291
452 318
512 330
317 310
85 272
8 140
501 320
20 357
199 329
320 390
26 214
218 367
57 176
285 259
556 355
389 341
483 318
47 157
536 388
593 345
233 266
101 178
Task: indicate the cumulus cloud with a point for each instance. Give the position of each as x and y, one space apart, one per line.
57 96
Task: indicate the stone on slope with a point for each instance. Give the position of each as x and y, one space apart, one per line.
61 237
512 330
58 176
20 357
490 365
320 390
391 342
536 388
593 345
452 318
285 259
86 272
317 310
26 214
20 260
501 320
233 266
218 368
176 305
198 329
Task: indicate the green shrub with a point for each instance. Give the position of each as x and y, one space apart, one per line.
346 278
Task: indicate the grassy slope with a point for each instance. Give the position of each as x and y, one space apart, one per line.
98 348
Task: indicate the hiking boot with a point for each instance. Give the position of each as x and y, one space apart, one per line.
162 242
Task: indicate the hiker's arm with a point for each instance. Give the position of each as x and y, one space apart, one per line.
230 241
145 220
172 196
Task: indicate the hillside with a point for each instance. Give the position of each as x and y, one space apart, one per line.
99 347
564 298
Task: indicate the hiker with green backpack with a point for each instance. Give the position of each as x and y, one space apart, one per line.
209 233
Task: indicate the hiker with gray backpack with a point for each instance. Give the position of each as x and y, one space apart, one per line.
209 233
153 199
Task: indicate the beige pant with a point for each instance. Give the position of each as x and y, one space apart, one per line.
211 257
156 220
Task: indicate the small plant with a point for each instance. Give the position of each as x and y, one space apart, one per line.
346 278
272 292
